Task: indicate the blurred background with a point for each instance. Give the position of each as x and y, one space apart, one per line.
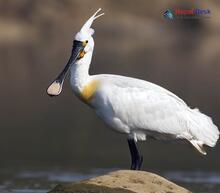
132 39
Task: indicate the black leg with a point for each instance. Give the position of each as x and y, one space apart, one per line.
136 158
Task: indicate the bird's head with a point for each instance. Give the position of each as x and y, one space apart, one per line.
84 36
82 46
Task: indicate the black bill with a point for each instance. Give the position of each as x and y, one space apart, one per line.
56 87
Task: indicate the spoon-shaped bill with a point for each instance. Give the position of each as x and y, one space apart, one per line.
56 87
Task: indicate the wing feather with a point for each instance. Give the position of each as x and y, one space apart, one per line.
139 105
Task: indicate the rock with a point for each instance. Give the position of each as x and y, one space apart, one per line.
122 181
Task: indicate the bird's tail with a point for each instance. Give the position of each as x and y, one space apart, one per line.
198 145
203 130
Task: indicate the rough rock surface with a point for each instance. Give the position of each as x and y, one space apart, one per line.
122 181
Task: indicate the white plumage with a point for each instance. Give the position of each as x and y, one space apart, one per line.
140 108
135 107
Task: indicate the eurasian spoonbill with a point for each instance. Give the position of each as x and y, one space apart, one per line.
132 106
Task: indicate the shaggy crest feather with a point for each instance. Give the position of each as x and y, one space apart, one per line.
86 30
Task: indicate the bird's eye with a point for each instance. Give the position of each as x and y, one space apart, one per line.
85 43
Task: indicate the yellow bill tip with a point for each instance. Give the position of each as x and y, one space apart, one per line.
54 89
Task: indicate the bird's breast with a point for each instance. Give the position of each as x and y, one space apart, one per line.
88 90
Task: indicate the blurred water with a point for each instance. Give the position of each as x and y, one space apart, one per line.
42 180
197 181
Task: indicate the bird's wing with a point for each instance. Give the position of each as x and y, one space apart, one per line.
142 108
123 82
143 105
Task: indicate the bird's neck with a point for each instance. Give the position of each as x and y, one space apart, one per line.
79 75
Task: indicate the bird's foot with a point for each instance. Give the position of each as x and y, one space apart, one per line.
137 163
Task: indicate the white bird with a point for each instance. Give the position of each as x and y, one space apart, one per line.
132 106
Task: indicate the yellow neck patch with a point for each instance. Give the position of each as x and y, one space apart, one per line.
89 90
